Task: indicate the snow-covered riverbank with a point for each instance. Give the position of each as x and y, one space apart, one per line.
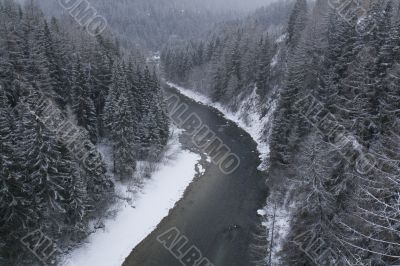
133 222
277 212
247 117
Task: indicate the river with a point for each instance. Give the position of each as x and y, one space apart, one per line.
218 213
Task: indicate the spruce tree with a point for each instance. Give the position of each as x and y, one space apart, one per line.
297 23
124 140
263 68
83 103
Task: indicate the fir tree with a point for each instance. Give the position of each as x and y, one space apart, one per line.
83 103
297 23
123 135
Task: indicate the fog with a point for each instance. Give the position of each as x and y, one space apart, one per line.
238 5
220 5
151 23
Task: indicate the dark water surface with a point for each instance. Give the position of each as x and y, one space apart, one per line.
218 213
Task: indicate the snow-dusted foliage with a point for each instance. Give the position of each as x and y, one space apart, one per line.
141 208
58 86
352 211
334 159
247 114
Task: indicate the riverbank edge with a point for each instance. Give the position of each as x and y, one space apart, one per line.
144 213
277 211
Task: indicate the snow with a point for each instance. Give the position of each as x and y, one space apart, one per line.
202 170
275 59
261 212
107 154
283 212
134 222
281 38
259 128
247 117
156 58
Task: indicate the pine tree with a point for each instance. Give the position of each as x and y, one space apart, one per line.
263 68
15 203
124 140
385 43
41 157
102 75
161 118
75 198
113 95
83 104
64 62
297 23
38 70
54 67
12 49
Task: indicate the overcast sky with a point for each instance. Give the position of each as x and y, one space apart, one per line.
220 4
235 4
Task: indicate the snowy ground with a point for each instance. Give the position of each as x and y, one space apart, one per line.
259 128
247 117
277 215
133 222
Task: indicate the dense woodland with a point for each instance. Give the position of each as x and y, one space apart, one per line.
291 50
148 24
235 55
95 86
352 71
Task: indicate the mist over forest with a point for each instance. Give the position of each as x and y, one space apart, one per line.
150 23
199 132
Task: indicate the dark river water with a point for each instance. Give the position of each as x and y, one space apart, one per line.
218 213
